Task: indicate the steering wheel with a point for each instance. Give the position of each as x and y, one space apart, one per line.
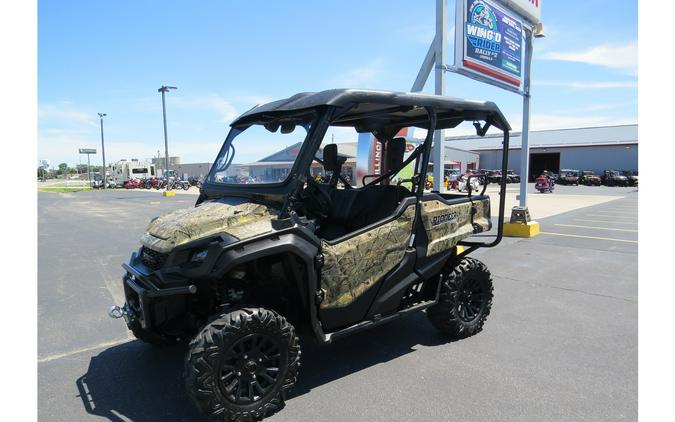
315 200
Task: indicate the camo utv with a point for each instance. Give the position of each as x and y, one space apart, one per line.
268 253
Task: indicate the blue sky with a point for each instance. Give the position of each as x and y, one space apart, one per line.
226 56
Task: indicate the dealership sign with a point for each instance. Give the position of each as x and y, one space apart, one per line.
489 43
87 150
528 9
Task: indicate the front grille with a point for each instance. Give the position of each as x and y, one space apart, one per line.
153 259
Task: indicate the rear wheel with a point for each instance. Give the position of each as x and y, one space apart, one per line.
242 364
465 300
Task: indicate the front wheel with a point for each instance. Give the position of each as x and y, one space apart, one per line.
465 300
242 365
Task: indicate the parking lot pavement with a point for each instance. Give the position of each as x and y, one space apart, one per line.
559 345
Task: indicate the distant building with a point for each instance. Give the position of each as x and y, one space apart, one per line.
160 161
592 148
197 170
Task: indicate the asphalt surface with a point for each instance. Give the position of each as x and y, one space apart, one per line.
559 345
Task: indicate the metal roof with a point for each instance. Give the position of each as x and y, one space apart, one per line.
587 136
373 109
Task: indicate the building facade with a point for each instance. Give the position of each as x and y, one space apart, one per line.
593 148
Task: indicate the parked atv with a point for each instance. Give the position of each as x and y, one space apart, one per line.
512 177
569 177
614 178
589 178
494 176
257 263
632 177
544 184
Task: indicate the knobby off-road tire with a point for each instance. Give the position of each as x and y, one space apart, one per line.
242 364
465 300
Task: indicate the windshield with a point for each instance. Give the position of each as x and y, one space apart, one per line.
260 154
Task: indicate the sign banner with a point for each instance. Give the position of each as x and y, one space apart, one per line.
87 150
488 43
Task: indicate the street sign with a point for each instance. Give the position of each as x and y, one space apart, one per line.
489 43
87 150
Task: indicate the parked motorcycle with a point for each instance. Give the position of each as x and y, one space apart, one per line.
474 183
544 184
132 184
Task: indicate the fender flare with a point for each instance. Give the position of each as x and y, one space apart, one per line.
277 244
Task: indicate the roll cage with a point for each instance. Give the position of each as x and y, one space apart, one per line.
382 113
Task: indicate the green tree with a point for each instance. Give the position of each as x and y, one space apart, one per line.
63 168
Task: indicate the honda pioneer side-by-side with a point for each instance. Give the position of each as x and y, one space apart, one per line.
268 253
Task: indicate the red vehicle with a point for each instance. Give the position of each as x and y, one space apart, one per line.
544 184
132 184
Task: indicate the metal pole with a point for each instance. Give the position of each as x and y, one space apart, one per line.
89 169
441 43
166 142
103 149
525 135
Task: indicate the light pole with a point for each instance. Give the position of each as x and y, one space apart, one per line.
164 89
105 178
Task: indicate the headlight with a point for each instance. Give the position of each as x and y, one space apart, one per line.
198 256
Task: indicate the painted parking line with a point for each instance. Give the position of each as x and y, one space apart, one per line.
82 350
597 228
613 213
606 221
611 216
589 237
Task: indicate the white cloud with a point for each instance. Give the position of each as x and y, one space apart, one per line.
213 102
360 76
623 57
589 85
63 112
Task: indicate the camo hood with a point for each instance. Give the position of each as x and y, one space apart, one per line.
239 219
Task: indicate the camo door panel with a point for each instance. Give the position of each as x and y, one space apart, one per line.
354 265
448 224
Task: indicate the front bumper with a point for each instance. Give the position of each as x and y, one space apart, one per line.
144 296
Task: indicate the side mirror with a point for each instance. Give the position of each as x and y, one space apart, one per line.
395 153
330 157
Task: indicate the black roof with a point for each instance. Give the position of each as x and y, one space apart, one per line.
375 109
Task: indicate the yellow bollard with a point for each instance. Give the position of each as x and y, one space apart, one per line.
529 229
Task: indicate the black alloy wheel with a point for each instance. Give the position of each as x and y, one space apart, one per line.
249 370
471 300
465 300
242 365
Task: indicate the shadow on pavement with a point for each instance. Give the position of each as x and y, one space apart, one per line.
144 383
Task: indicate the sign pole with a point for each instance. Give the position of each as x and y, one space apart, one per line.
441 43
525 135
89 170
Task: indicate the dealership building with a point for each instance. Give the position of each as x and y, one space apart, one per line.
591 148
